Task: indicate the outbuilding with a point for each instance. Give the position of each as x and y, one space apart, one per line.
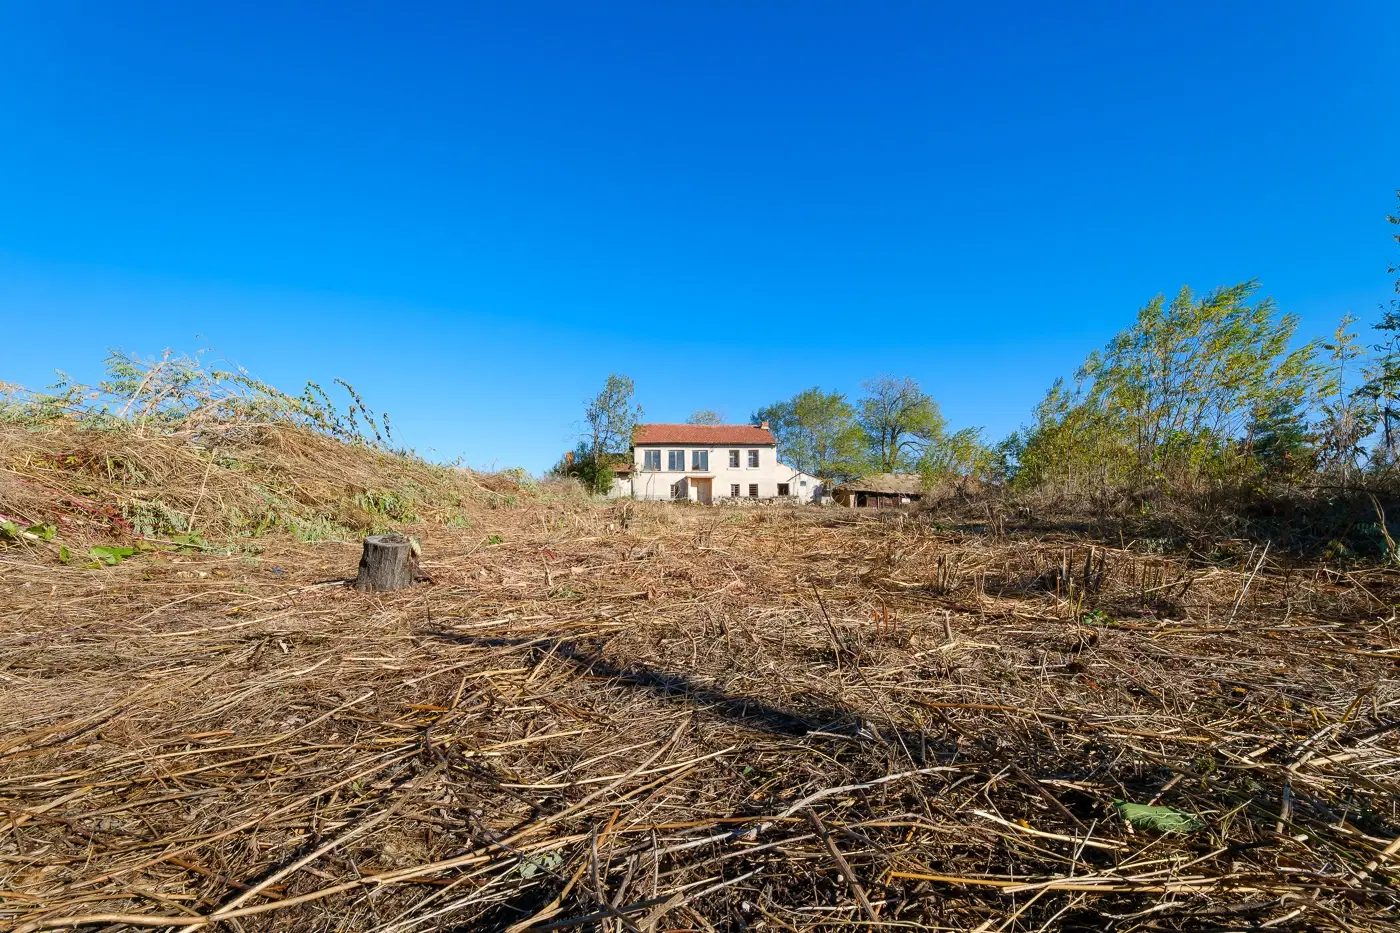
880 490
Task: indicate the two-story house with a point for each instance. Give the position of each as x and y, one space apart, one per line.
710 463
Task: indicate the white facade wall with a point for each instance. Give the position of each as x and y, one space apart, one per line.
658 484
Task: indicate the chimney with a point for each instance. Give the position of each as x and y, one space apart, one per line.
763 426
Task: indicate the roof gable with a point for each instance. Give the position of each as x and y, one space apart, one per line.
743 434
903 484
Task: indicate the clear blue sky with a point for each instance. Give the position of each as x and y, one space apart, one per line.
475 211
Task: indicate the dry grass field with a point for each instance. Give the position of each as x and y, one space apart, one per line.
641 716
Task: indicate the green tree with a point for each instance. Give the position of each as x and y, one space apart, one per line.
1073 444
1281 444
704 416
1348 415
899 421
1382 386
611 418
959 456
597 474
816 432
1176 396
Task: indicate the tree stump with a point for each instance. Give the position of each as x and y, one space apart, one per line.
388 563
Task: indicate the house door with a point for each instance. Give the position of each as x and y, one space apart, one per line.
702 490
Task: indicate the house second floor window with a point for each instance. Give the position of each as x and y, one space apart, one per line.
651 460
675 460
734 461
753 458
700 460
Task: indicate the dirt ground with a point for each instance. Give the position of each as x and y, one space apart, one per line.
651 717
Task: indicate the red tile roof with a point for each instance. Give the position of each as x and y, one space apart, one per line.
702 434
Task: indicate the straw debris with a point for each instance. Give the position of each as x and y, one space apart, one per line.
646 717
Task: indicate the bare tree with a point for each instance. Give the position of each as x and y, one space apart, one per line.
705 416
899 421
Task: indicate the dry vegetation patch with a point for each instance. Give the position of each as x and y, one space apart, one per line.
642 716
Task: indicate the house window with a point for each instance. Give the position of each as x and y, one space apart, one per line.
802 483
651 460
753 490
782 489
675 490
734 459
700 460
734 487
753 459
675 460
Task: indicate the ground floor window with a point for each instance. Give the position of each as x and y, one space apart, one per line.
734 490
675 490
782 489
753 490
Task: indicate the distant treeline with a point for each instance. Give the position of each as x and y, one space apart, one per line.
1200 392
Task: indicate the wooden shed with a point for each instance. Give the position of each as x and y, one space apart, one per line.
880 490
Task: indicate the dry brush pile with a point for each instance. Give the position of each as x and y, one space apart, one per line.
653 717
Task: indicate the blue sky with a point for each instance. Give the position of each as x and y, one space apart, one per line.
474 212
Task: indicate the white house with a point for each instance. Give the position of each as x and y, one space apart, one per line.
710 463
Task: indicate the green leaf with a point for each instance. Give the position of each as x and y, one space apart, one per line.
43 532
64 555
1162 819
9 530
547 861
110 555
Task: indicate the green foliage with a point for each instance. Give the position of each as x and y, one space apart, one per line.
109 555
1179 397
1282 446
1161 819
899 420
385 504
596 473
611 418
1382 386
959 455
1097 617
817 433
316 528
704 416
153 519
1348 415
178 392
42 531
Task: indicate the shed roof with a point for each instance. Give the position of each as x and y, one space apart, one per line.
902 484
702 434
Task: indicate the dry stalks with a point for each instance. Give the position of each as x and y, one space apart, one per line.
648 717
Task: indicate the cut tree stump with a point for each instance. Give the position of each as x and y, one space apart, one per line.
388 563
